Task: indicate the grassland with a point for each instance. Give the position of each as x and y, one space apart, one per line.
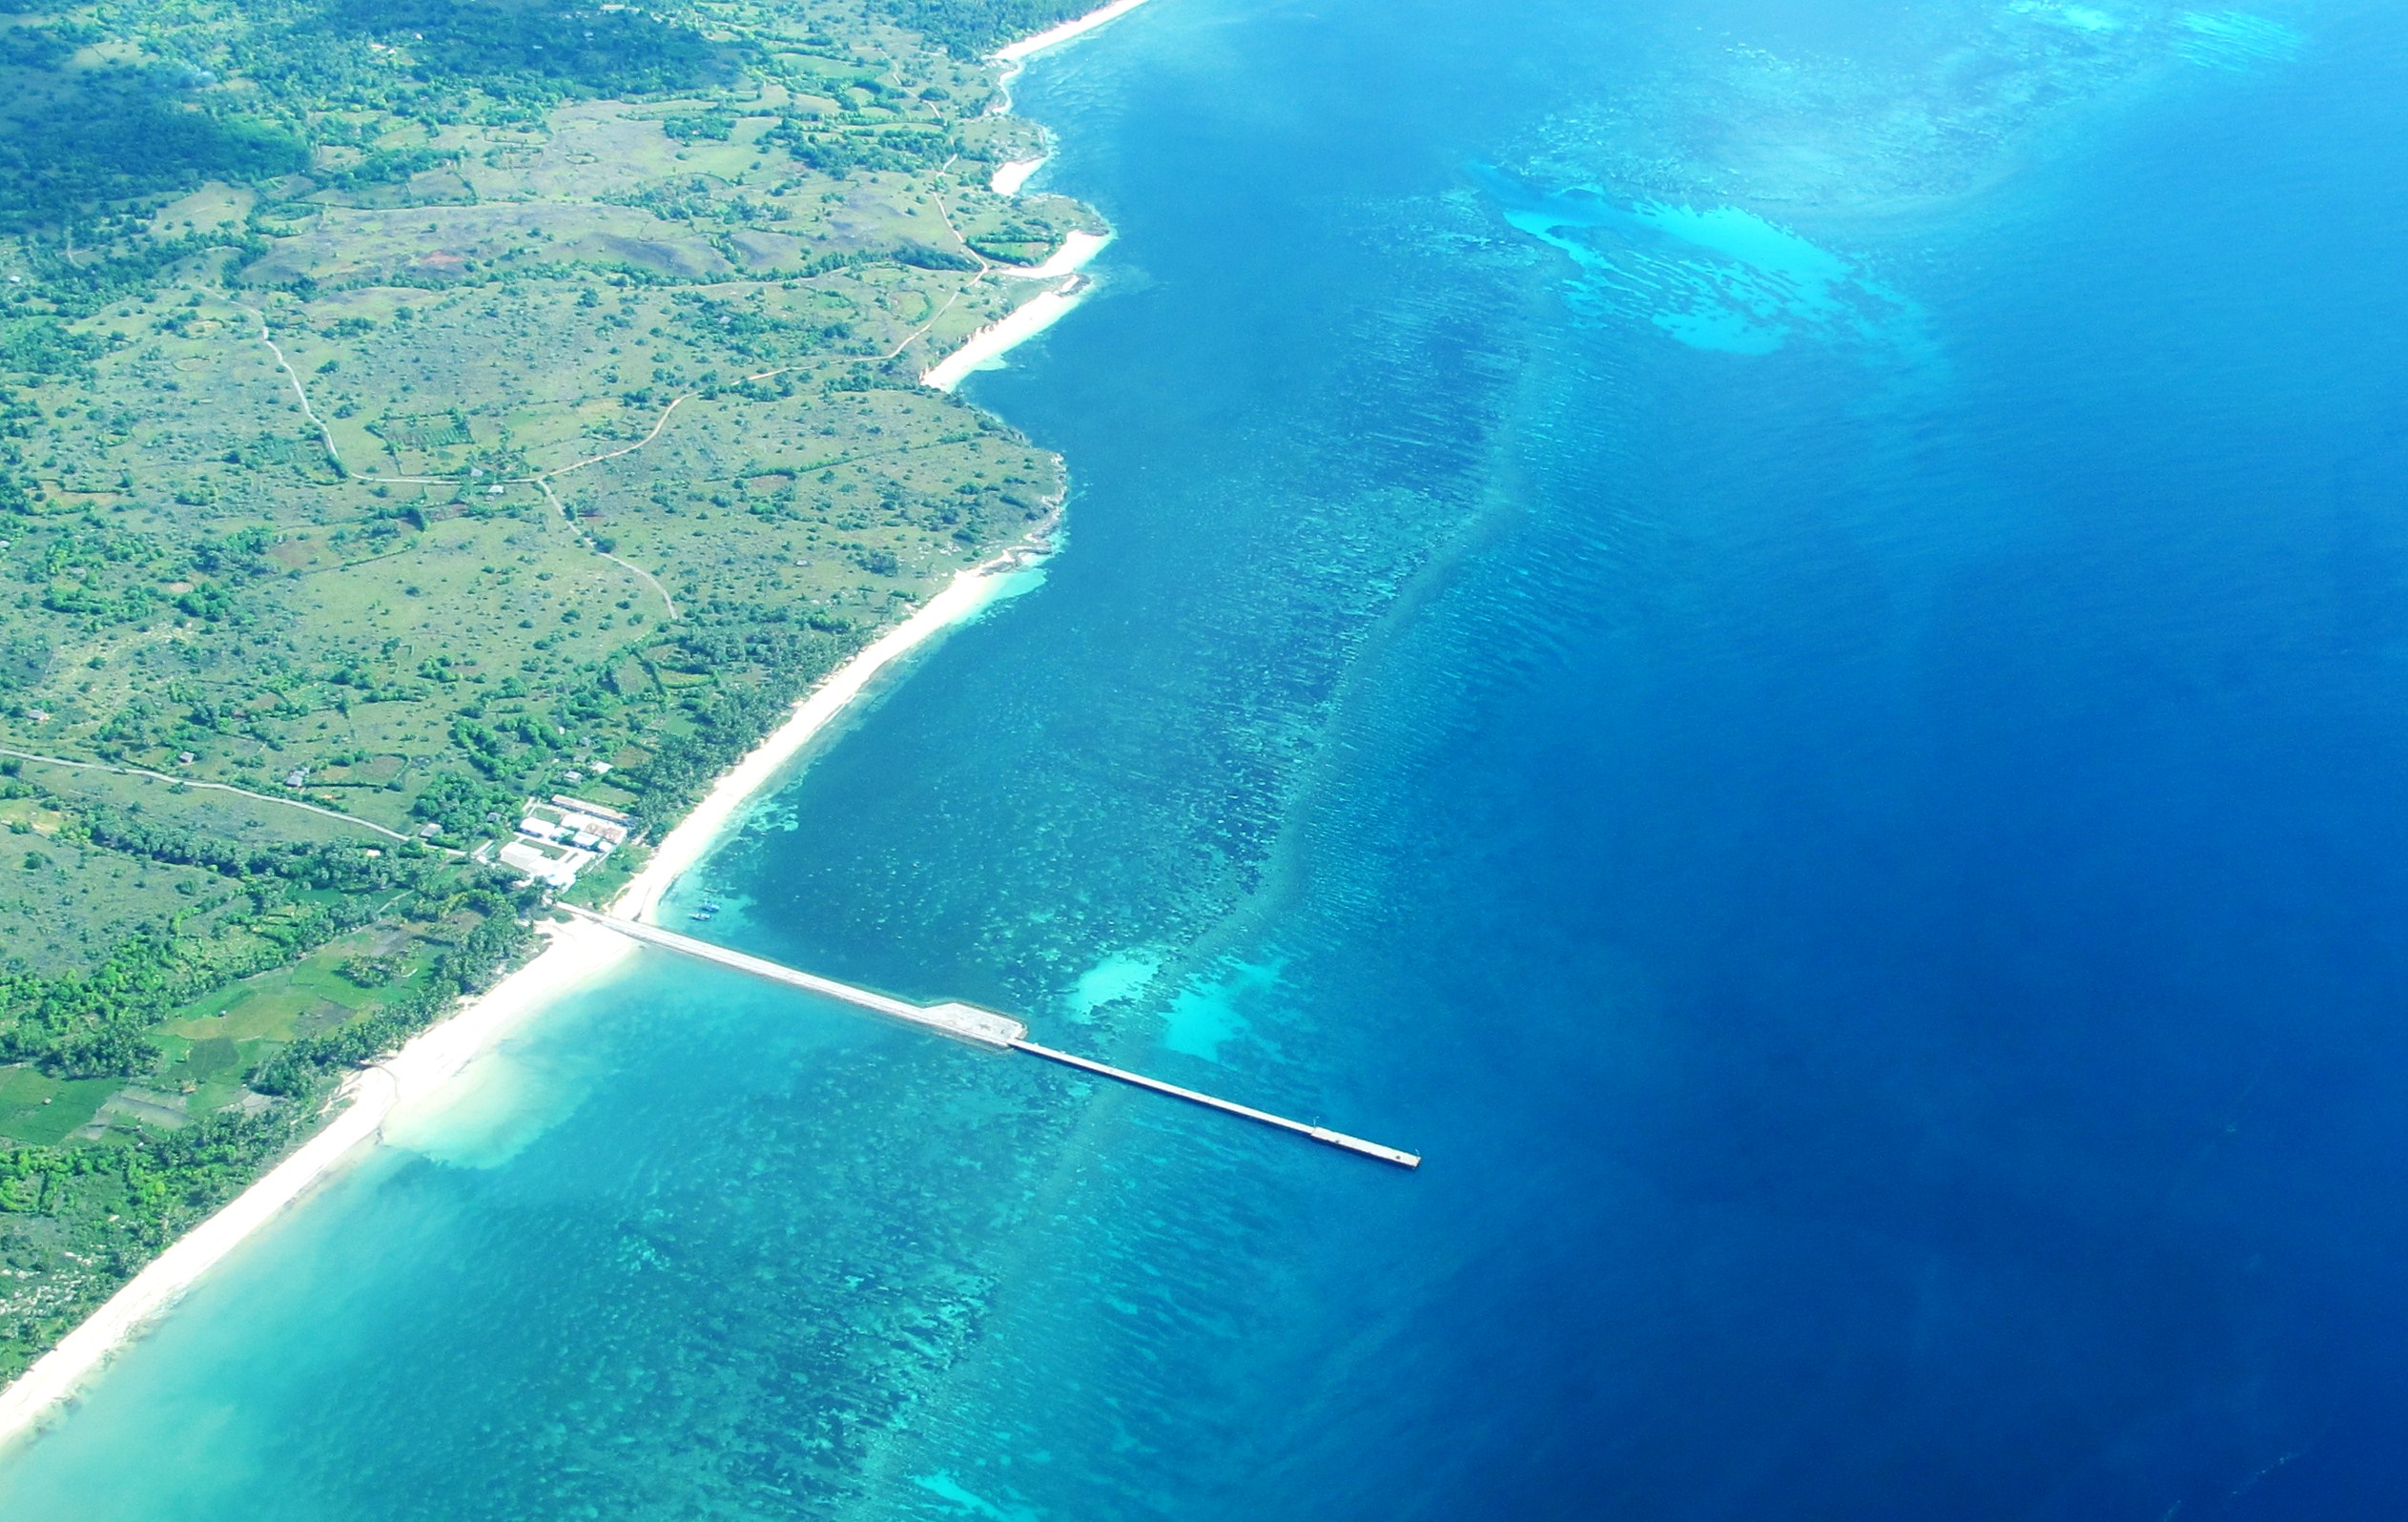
407 410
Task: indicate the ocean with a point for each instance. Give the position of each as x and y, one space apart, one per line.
1777 632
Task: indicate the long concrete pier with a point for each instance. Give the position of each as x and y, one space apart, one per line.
1319 1133
963 1022
980 1027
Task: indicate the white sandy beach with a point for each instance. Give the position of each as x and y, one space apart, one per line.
1008 178
694 836
1056 36
1077 249
988 345
577 955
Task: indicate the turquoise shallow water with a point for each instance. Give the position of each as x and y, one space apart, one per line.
1773 630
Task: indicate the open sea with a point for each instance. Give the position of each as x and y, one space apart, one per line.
1777 631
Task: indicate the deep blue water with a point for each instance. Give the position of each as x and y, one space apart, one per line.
1776 632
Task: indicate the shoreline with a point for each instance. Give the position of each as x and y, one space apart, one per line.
1008 177
575 957
998 338
1056 36
969 593
1075 251
986 347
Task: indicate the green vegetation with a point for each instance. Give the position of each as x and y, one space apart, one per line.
409 409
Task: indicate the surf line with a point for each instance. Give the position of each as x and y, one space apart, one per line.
979 1027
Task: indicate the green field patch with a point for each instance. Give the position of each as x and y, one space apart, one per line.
208 1059
373 772
594 789
311 995
271 1006
212 206
426 430
143 1106
256 1009
36 814
208 1071
39 1111
66 905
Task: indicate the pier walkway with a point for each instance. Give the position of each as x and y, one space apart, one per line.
980 1027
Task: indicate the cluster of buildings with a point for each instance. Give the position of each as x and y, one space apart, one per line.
557 840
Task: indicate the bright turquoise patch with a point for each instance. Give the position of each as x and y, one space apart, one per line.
1205 1014
1110 980
946 1488
1718 278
